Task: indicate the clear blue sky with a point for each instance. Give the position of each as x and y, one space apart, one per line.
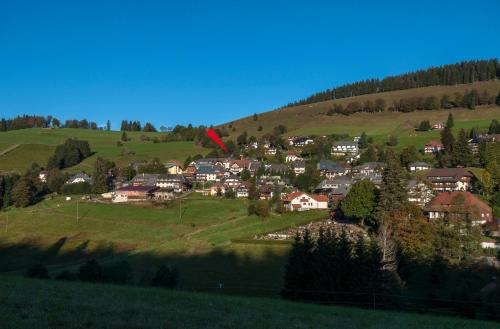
208 62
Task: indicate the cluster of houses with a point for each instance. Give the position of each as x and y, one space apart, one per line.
433 191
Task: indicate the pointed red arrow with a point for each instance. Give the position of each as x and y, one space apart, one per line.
213 135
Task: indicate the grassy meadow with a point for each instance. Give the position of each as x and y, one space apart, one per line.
30 303
196 234
37 145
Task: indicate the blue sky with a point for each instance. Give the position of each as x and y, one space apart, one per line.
208 62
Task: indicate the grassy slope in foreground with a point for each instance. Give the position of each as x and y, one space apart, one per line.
37 145
26 303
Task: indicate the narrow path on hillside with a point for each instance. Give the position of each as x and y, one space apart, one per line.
10 148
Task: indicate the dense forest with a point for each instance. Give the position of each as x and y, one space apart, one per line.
38 121
452 74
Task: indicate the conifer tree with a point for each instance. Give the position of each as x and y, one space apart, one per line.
393 195
462 154
450 122
447 139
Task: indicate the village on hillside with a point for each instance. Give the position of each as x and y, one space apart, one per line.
276 178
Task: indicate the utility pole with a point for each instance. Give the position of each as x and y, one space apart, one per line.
180 208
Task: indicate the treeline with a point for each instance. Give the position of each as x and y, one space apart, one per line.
459 73
69 154
136 126
37 121
166 276
469 99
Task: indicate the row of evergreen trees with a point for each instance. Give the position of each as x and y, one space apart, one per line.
37 121
459 73
334 268
136 126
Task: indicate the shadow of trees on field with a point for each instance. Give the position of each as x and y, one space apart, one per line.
232 269
252 269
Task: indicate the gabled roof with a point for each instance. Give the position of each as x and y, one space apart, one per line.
454 173
434 143
443 201
420 164
206 170
345 143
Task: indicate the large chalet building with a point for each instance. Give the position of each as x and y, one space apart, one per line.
449 179
459 205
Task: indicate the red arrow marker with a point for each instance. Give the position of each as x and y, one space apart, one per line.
213 135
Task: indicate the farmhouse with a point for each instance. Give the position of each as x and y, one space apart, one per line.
232 181
144 179
242 190
299 167
134 193
460 205
206 173
79 178
433 146
173 167
292 157
419 166
330 169
449 179
368 168
299 201
164 194
176 182
345 148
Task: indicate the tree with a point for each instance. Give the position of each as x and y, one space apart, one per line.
370 155
108 125
294 270
56 123
166 276
392 141
148 127
409 155
103 173
445 102
380 105
245 175
230 194
497 100
91 271
360 202
23 193
447 139
363 141
462 154
255 117
424 125
242 139
450 122
393 195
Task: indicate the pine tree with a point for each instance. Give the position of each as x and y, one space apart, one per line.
103 174
462 154
447 140
393 195
450 122
497 100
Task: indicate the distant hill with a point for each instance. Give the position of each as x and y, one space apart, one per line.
70 305
38 144
313 118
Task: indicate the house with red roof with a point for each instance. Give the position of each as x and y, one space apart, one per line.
299 201
433 146
461 205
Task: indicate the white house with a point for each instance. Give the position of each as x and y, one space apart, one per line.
292 157
345 148
419 166
299 201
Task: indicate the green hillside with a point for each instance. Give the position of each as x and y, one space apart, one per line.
198 241
313 119
37 145
26 303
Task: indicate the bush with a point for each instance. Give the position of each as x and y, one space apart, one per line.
252 209
166 276
37 271
77 188
260 208
91 271
119 273
66 276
